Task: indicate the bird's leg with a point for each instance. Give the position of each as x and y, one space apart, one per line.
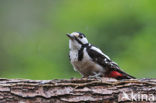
95 76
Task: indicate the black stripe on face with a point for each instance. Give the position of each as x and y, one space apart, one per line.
78 41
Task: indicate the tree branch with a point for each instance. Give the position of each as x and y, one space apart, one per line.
105 90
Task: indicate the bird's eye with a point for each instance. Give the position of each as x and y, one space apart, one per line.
80 36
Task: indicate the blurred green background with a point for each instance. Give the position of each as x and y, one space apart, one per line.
33 43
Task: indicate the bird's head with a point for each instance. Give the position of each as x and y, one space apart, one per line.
77 39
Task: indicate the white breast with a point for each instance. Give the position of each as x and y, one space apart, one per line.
86 67
73 55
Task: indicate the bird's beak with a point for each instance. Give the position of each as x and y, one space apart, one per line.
70 36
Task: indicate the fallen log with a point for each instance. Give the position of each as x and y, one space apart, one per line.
104 90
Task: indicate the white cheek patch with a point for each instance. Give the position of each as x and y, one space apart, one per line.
84 40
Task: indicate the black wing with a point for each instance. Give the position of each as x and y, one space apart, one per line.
100 58
105 62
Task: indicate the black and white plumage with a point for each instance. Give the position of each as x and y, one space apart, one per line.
90 61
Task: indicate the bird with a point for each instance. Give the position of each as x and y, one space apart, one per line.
90 61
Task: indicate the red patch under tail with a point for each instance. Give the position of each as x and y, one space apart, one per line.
115 74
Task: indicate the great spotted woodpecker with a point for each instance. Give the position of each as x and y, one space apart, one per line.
90 61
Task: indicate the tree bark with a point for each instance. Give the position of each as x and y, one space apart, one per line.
104 90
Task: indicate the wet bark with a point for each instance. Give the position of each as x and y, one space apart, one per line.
103 90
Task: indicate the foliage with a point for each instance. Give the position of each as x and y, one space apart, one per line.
33 43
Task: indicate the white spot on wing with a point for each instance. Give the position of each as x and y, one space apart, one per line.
99 51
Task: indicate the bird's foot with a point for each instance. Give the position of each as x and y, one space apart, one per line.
95 77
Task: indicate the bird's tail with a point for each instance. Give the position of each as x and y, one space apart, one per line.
125 77
119 74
